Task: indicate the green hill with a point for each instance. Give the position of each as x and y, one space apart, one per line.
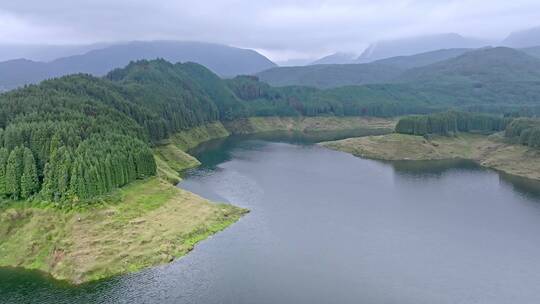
422 59
480 66
533 51
448 66
336 75
79 136
330 75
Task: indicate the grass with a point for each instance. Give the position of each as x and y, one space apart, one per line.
489 151
189 139
152 223
307 124
170 160
405 147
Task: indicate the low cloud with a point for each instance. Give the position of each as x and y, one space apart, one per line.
280 29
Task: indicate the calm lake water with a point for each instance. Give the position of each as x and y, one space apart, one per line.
327 227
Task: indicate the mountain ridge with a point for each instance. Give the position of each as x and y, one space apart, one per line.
221 59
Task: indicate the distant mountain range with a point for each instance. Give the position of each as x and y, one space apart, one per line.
485 61
223 60
329 75
404 47
488 65
336 75
422 44
45 53
381 62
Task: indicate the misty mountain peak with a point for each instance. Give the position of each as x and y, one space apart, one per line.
415 45
524 38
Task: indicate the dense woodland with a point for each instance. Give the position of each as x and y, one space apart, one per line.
78 136
525 131
452 122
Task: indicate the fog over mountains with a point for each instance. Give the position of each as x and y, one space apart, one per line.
416 45
513 63
426 43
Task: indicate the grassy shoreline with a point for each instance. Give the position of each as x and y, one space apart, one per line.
253 125
488 151
150 222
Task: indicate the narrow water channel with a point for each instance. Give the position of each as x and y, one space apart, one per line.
327 227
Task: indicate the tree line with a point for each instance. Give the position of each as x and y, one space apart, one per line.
525 131
452 122
520 130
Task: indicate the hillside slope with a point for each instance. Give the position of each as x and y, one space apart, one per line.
422 59
336 58
484 65
330 75
336 75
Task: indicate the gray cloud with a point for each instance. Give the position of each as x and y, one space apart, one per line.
280 29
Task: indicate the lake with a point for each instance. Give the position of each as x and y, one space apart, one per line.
327 227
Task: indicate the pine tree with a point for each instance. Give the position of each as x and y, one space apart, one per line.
14 170
29 178
56 143
3 162
63 171
77 185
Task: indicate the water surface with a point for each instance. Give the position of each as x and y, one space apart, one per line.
327 227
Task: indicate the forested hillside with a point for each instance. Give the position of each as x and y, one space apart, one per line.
330 75
491 77
70 139
450 123
502 65
80 136
495 80
423 59
524 131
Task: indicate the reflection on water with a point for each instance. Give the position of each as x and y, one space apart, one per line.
525 186
217 151
438 169
431 168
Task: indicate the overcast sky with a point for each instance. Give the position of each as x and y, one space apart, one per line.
279 29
